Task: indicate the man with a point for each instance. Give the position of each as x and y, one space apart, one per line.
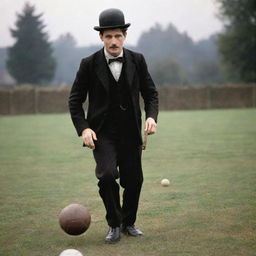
113 78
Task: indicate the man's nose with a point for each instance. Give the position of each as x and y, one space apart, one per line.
113 41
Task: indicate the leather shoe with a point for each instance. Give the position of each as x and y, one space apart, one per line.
113 235
131 231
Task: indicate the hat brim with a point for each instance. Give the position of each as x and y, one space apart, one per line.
112 27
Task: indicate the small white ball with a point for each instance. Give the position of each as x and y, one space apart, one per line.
165 182
71 252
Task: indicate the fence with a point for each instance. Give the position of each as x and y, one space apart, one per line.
32 100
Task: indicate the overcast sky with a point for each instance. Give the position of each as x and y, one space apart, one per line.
196 17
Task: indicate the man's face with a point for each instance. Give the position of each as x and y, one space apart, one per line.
113 40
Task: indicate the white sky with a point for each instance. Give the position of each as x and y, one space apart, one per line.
196 17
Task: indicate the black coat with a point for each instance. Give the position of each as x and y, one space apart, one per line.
92 80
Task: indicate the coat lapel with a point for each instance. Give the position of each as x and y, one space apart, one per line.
130 67
101 69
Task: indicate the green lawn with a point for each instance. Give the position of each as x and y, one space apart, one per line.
208 209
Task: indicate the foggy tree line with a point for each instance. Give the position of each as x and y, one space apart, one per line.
173 57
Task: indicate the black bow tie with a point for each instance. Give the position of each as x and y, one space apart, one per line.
120 59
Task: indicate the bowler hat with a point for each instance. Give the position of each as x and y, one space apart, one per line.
111 19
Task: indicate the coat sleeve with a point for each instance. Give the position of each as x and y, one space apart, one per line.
78 96
148 91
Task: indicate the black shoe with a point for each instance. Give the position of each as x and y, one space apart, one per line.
131 231
113 235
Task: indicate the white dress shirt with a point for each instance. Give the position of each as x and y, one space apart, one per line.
116 66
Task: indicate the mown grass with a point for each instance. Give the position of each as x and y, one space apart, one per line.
209 208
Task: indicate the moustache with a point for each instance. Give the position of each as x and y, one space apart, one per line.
113 47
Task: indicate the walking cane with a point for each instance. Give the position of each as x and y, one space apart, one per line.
145 140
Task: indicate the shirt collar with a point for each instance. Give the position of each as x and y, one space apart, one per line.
108 56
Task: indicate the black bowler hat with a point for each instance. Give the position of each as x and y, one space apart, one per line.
111 19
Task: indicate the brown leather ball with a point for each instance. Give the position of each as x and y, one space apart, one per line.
74 219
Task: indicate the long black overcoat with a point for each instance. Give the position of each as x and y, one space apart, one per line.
92 81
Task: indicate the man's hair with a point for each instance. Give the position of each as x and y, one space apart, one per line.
124 30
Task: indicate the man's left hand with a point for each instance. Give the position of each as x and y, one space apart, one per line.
150 126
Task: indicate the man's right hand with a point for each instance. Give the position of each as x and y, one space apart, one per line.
88 137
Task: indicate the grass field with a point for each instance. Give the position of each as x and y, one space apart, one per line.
208 209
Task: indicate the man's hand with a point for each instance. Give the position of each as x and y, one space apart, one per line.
150 126
88 137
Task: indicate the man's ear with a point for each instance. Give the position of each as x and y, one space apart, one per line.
101 36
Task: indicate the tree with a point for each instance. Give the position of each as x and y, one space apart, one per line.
237 44
168 72
207 72
158 43
68 57
65 53
177 59
30 59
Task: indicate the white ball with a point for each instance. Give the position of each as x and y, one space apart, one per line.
165 182
71 252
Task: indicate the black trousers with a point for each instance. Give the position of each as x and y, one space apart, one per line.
118 156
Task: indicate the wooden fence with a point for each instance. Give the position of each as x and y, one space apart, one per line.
33 100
